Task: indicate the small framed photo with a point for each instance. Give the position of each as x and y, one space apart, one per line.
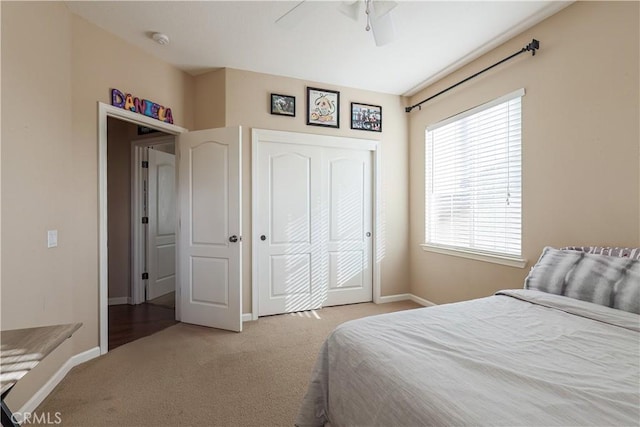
283 105
323 107
366 117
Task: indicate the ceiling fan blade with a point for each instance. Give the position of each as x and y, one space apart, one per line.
383 29
296 14
350 9
382 7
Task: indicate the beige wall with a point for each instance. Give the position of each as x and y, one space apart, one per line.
580 141
55 68
210 100
248 105
37 173
102 61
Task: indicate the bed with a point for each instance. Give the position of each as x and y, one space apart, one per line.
565 350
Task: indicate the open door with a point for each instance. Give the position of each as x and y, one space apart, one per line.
210 278
161 232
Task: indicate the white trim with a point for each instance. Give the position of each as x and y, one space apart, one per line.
282 137
393 298
138 254
496 259
140 119
104 111
254 224
137 231
248 317
406 297
241 217
377 225
471 111
48 387
120 300
423 302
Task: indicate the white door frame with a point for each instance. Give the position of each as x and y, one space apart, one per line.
137 231
282 137
104 111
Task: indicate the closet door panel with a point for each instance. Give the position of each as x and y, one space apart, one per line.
348 182
289 213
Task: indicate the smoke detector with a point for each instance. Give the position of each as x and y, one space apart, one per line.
160 38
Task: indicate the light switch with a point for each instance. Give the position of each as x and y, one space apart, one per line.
52 238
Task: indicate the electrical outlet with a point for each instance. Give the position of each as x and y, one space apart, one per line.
52 238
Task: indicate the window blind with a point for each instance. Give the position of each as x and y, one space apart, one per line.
473 179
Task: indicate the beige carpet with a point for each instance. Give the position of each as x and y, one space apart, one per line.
189 375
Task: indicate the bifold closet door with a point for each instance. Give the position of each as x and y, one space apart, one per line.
349 228
290 212
314 228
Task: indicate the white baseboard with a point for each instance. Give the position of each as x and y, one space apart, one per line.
119 300
394 298
48 387
405 297
247 317
421 301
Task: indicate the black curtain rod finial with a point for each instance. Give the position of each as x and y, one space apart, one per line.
533 46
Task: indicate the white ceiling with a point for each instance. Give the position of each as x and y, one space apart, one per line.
432 37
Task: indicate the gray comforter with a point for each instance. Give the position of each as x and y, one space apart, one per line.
521 357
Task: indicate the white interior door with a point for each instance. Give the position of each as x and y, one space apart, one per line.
349 183
210 228
290 214
161 256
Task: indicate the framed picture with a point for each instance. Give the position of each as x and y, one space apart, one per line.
323 107
283 105
366 117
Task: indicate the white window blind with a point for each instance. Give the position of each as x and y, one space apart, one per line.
473 179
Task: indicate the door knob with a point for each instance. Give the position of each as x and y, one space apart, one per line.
368 234
263 237
233 238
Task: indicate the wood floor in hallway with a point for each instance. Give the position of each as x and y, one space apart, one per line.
130 322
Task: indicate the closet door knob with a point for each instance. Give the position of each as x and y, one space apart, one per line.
233 238
263 237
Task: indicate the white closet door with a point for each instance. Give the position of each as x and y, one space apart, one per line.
289 232
349 240
314 226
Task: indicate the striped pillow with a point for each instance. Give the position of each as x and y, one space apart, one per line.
605 250
605 280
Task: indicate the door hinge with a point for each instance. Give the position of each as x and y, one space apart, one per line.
145 220
145 164
145 276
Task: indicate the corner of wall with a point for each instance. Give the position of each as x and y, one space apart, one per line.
210 99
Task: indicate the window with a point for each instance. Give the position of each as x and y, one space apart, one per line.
473 181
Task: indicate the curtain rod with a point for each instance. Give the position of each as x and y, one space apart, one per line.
533 46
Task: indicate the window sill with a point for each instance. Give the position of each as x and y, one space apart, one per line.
478 256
